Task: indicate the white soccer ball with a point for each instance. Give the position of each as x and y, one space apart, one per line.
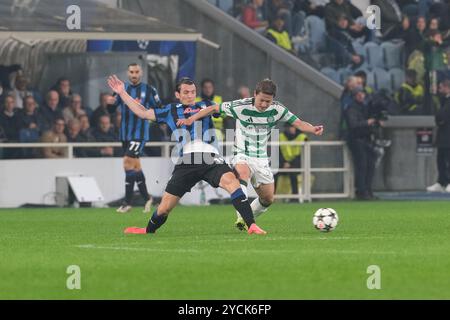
325 219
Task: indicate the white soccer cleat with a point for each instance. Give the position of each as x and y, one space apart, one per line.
436 188
124 209
447 189
148 206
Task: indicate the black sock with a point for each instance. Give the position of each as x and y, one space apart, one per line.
130 178
242 205
140 181
155 222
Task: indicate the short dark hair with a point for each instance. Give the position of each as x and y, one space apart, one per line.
361 74
184 80
59 119
133 64
267 86
207 80
433 33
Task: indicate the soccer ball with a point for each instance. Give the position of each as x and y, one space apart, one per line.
325 219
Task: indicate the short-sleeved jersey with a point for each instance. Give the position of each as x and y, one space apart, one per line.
132 127
198 137
253 128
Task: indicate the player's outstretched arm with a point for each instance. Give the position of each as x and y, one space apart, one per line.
199 115
118 87
308 128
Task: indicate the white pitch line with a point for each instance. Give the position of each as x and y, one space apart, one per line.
91 246
274 251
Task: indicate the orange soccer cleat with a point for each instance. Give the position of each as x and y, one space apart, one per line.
135 230
255 229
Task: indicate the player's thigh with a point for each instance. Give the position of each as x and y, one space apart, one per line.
183 178
168 202
128 163
243 170
266 193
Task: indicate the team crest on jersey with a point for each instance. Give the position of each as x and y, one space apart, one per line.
271 119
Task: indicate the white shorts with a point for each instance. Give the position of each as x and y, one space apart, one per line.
260 172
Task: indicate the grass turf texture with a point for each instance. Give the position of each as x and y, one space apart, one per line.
199 254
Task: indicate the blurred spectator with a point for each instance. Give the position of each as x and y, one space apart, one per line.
208 95
346 100
438 9
290 155
9 119
361 74
410 95
21 91
420 33
391 17
86 127
74 109
344 51
30 121
311 7
338 8
55 135
359 141
62 86
49 111
244 92
5 73
105 133
443 140
435 60
253 17
278 35
74 135
293 20
408 34
102 110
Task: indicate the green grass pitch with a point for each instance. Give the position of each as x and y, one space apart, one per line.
199 254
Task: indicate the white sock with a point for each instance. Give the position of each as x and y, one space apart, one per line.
257 208
244 188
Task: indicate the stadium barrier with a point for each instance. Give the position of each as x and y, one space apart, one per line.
306 170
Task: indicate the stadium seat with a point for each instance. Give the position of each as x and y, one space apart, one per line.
370 79
393 54
382 79
374 55
315 28
397 78
359 48
331 73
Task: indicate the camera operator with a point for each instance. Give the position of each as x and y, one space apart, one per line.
361 131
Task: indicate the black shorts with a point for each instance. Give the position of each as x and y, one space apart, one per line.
133 148
185 176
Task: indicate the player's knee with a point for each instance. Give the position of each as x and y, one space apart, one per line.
267 201
229 181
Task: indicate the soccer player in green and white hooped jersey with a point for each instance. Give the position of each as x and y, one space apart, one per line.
255 118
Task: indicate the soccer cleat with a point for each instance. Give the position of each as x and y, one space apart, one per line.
240 224
135 230
255 229
435 188
447 189
148 206
124 208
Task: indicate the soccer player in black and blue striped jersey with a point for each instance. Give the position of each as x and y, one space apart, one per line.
134 133
198 159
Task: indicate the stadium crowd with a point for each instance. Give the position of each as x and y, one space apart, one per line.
403 62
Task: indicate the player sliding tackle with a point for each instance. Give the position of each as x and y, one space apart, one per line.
199 156
255 118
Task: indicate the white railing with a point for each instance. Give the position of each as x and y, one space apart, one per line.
305 191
